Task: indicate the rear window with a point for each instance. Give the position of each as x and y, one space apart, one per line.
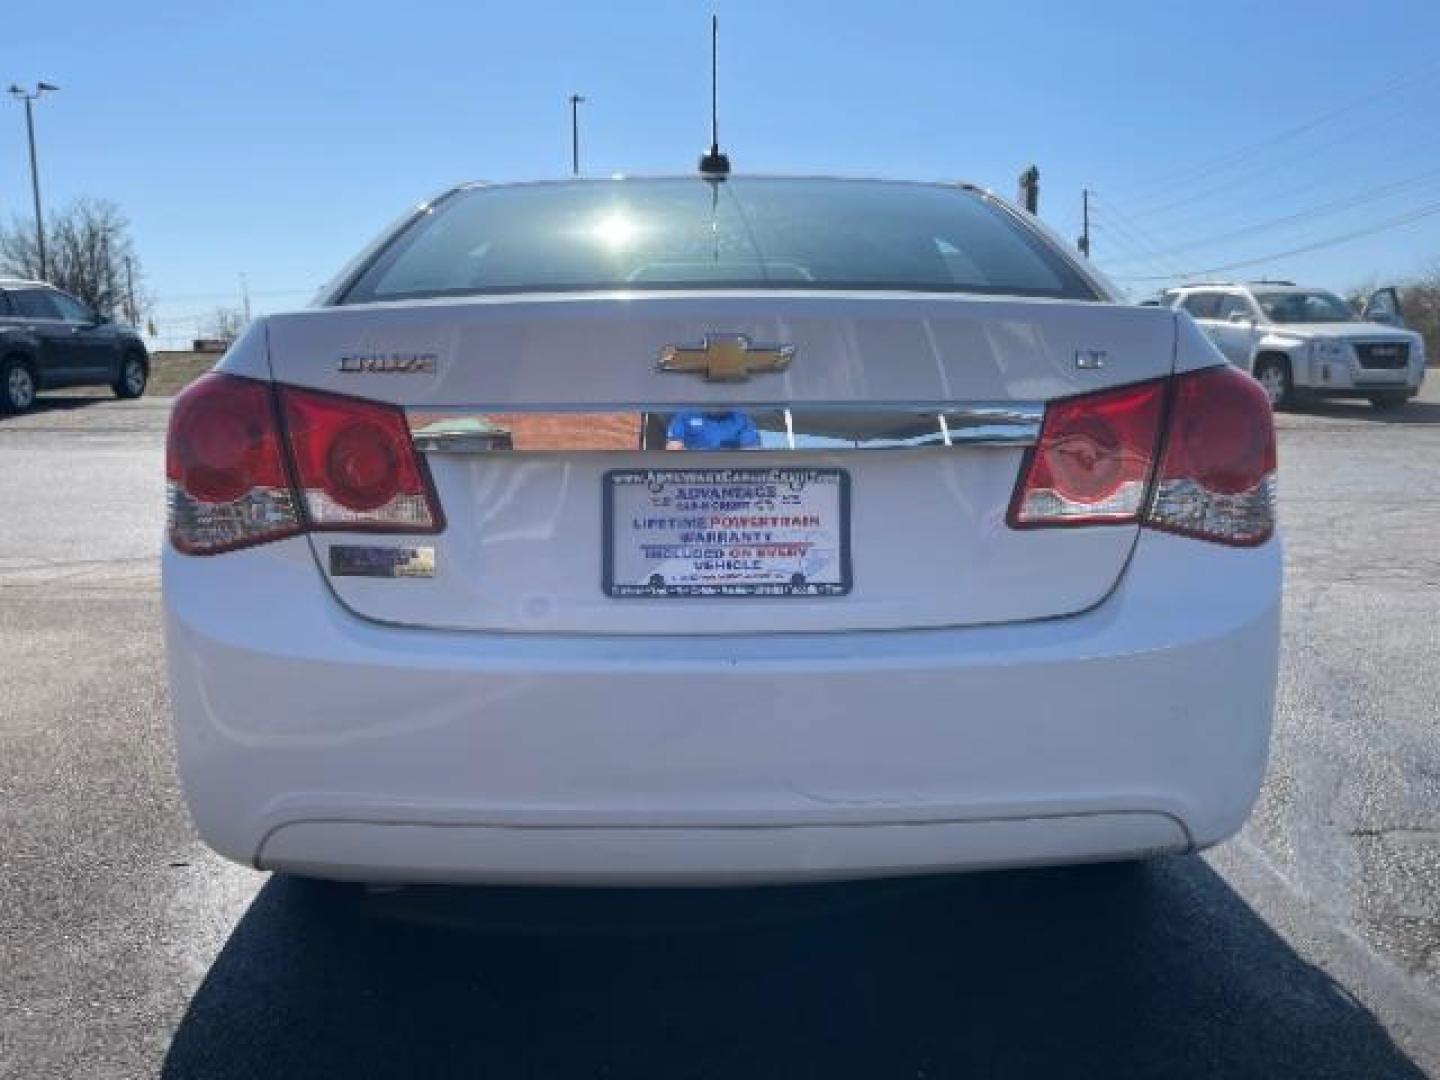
740 233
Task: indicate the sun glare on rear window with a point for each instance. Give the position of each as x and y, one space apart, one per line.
688 233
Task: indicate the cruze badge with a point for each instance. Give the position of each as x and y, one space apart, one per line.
388 364
725 358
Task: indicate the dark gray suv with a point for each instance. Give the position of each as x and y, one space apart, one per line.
49 339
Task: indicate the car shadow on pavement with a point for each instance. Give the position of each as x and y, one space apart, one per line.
1092 971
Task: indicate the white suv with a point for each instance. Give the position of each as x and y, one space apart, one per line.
1300 342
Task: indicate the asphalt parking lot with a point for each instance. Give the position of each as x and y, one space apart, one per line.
1309 946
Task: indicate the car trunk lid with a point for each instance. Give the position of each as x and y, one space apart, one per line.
525 405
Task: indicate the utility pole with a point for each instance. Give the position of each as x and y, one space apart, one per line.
29 99
1084 242
1029 196
575 100
107 269
245 297
133 316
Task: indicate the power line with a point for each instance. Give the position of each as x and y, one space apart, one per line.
1121 222
1385 191
1137 255
1317 179
1305 157
1125 239
1168 181
1379 227
1126 245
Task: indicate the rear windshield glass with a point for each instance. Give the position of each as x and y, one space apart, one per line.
741 234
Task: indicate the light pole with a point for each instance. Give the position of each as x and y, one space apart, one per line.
575 100
29 99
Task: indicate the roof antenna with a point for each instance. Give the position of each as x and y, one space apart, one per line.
714 165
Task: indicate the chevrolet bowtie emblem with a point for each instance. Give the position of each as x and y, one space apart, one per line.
725 358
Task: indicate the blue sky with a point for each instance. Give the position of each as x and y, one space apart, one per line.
276 138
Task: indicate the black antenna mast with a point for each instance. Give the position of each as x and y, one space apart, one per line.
714 165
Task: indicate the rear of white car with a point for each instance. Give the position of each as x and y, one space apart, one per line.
980 570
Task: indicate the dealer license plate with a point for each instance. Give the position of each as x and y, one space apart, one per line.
727 532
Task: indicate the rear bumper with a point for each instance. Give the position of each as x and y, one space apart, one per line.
720 855
313 741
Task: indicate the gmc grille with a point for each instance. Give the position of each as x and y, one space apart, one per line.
1383 355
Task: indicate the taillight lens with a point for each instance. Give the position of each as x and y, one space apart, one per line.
355 464
1217 475
224 468
235 444
1092 463
1098 458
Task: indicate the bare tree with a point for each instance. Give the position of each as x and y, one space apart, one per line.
1420 301
89 254
224 323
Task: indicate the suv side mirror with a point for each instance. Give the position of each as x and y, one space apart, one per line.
1241 317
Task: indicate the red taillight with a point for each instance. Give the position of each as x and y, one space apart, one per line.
225 469
355 464
1217 474
229 466
1097 462
1092 463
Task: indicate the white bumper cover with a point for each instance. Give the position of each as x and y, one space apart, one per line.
313 741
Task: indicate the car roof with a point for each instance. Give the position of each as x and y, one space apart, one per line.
622 177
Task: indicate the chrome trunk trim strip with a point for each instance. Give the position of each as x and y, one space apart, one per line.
703 427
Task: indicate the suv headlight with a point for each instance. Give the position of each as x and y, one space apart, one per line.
1327 350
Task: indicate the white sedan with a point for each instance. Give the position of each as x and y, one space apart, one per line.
714 531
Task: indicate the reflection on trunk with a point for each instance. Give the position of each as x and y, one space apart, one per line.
709 429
